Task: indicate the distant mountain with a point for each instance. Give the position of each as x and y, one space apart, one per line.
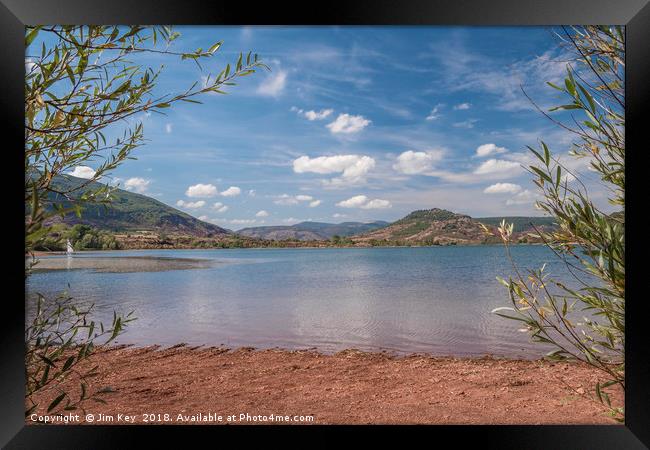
129 211
427 227
310 231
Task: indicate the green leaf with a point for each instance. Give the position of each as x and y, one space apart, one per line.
56 401
31 36
215 47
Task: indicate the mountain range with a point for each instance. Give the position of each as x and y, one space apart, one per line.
129 212
311 231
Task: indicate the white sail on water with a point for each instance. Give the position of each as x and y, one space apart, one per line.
69 249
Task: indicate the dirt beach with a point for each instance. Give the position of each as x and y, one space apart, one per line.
197 385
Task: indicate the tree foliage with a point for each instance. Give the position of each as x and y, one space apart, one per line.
81 83
585 322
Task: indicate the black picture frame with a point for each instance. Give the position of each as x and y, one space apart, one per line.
635 14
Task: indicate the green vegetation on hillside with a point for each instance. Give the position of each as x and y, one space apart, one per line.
127 211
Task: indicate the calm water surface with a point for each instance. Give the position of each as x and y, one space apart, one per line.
435 300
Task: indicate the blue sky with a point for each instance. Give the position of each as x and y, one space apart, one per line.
354 124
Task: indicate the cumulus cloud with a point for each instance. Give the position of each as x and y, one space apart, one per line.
137 184
523 198
232 191
201 190
220 207
489 149
502 188
363 202
251 193
314 204
286 199
168 128
318 115
190 205
462 106
435 112
353 168
498 166
347 124
262 213
411 162
273 85
313 115
83 172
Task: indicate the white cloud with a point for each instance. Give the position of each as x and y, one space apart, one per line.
353 168
347 124
168 128
498 166
316 115
220 207
232 191
83 172
204 218
314 204
286 199
353 202
339 215
523 198
291 220
242 221
435 112
377 204
273 85
190 205
137 184
201 190
262 213
462 106
251 193
363 202
502 188
489 149
469 123
411 162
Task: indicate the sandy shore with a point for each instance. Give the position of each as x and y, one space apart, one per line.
122 264
197 385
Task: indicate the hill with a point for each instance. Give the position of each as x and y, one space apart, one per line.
129 211
427 227
311 231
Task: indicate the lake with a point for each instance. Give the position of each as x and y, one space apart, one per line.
436 300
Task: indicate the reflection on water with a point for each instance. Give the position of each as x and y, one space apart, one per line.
435 300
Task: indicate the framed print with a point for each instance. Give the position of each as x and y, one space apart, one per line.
359 213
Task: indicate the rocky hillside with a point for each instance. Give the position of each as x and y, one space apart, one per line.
427 227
